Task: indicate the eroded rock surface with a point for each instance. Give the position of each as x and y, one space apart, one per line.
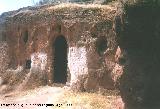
89 31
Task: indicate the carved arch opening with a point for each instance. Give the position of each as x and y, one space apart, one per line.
60 60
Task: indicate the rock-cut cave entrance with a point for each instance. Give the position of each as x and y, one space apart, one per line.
60 60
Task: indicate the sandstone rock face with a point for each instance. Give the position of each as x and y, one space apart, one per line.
77 64
91 45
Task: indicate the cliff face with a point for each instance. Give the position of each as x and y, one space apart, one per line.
140 40
78 40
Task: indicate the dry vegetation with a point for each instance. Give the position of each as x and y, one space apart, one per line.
85 100
65 11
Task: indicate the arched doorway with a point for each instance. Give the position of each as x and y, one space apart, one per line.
60 60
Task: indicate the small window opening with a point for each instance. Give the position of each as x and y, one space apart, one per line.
28 64
101 45
25 37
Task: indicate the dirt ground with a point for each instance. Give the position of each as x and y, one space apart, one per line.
60 98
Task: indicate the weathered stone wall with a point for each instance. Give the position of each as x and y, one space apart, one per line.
4 61
77 63
4 57
90 34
